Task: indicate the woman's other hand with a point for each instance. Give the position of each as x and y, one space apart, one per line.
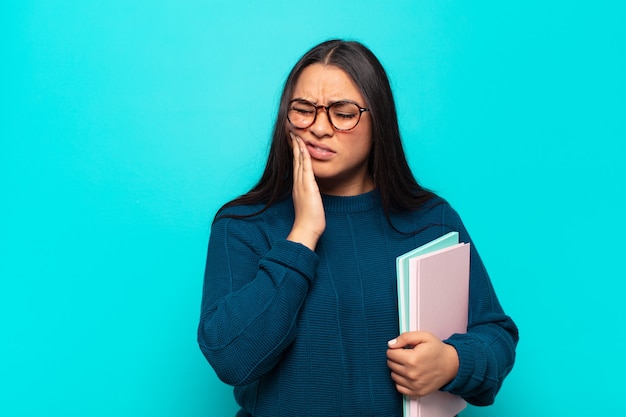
420 363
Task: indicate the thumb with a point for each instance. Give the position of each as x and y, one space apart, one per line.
408 339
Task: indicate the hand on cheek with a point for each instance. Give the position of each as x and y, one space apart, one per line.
310 219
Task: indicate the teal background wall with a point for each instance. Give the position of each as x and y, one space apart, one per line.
124 125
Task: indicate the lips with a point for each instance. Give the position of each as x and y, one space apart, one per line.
319 152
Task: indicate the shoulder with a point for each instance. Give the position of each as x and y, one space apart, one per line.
239 210
437 207
233 209
435 214
449 216
255 218
442 212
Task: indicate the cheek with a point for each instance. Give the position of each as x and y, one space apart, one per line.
358 149
366 142
367 150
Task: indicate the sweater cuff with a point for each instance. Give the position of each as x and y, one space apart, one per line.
295 256
471 364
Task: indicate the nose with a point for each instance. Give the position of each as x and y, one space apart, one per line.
321 125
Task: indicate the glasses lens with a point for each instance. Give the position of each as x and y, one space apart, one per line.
301 114
344 116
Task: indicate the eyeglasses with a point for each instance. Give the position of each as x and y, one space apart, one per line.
343 115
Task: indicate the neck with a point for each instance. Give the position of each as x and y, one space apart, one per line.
332 187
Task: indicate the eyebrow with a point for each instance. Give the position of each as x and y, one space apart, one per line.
300 99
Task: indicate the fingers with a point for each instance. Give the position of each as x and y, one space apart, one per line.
409 374
425 364
405 386
409 378
403 348
303 169
409 339
297 157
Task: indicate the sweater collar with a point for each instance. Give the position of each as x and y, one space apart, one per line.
351 204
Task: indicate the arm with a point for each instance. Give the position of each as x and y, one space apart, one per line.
472 365
251 298
254 289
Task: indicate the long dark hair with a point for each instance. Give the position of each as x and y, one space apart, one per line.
387 164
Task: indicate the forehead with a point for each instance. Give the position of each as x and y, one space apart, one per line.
325 83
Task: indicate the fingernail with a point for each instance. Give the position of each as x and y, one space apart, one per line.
392 342
291 135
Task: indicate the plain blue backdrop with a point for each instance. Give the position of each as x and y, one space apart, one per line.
124 125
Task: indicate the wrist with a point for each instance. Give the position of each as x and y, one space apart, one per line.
306 238
453 363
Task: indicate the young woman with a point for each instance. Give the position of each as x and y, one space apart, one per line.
299 308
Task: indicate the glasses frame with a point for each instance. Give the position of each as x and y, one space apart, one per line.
326 108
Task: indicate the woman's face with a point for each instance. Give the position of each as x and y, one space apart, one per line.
339 158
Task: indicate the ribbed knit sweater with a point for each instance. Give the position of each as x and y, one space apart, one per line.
304 333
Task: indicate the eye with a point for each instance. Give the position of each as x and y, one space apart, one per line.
345 111
302 108
344 115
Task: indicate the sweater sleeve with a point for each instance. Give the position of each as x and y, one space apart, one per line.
487 351
253 291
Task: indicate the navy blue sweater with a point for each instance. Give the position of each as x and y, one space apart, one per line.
303 333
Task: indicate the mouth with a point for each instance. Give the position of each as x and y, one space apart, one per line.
319 152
